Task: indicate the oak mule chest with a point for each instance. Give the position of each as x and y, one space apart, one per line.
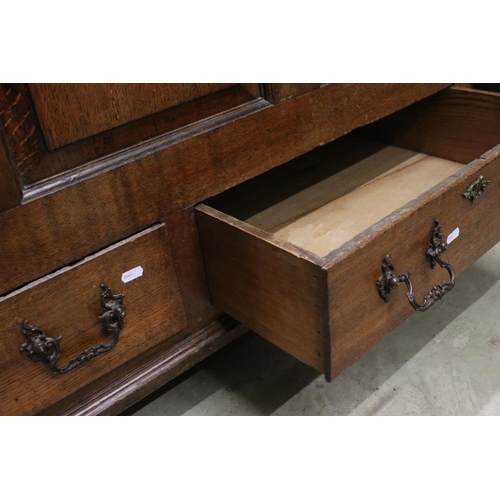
144 226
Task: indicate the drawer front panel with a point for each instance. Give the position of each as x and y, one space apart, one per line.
358 315
68 304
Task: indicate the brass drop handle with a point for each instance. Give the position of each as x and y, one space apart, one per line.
389 280
39 347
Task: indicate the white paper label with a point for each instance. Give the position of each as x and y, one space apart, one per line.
453 235
131 275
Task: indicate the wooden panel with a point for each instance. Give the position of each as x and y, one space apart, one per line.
35 163
68 304
118 144
359 318
456 124
54 230
188 261
69 112
271 289
279 92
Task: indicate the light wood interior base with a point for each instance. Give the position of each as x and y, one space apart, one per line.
376 186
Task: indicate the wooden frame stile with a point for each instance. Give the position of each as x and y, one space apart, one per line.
10 188
457 124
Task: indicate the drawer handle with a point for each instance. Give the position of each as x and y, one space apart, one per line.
476 189
389 280
39 347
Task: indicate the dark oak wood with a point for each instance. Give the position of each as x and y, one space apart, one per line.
21 134
71 112
137 140
279 92
115 144
10 189
80 219
103 167
184 241
67 303
457 124
36 163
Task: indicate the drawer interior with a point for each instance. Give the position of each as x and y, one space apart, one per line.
321 202
327 197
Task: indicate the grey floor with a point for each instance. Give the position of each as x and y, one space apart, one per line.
442 362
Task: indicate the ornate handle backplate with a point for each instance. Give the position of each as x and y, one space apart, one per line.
39 347
389 280
476 189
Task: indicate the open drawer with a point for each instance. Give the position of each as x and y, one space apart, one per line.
310 255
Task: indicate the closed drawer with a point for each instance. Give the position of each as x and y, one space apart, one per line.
70 304
296 254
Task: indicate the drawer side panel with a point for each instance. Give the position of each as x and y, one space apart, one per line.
267 288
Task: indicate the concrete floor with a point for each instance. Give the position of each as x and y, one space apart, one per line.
442 362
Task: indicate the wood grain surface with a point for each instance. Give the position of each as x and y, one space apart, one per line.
69 112
36 163
328 227
68 304
274 289
114 144
456 124
59 228
184 242
279 92
10 189
21 133
270 289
